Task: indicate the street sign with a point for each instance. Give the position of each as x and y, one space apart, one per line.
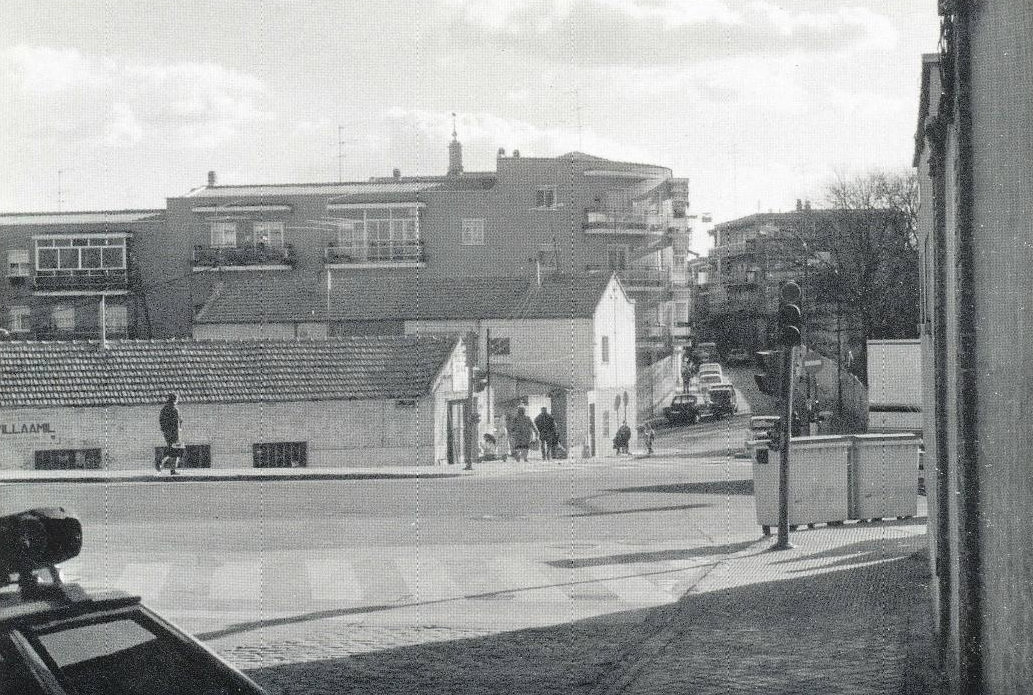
812 362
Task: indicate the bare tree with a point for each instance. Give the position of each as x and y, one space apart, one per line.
867 278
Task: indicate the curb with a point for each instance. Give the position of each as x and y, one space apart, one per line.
235 477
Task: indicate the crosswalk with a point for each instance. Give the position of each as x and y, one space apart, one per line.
321 579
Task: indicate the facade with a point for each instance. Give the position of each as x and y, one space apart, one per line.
737 289
567 344
974 144
61 265
331 403
572 214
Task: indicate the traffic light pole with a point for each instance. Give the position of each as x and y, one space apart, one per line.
788 362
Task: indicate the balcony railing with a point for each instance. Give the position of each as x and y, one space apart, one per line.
623 222
95 280
637 278
410 253
243 256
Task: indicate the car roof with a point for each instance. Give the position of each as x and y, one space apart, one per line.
723 386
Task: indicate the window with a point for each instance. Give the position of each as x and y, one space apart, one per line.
197 456
499 346
21 319
268 234
380 234
605 343
606 424
86 255
67 459
545 197
617 256
64 318
18 263
224 234
472 233
116 318
280 455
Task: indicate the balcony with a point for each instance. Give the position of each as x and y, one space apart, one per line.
627 222
72 282
376 255
638 279
244 257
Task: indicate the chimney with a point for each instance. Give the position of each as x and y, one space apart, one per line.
799 204
807 205
502 152
516 154
211 178
397 173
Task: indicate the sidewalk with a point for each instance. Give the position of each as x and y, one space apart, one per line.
844 612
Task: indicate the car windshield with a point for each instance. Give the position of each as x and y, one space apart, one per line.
711 378
130 656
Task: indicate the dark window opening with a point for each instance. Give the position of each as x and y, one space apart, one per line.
68 459
280 455
197 456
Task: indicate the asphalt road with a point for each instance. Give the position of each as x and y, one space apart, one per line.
257 568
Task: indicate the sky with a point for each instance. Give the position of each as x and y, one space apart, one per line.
111 105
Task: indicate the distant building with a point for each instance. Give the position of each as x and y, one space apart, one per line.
60 265
371 401
974 145
567 344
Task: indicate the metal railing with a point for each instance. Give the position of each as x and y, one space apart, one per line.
623 222
80 280
242 256
653 278
376 252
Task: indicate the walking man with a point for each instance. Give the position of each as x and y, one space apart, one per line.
521 432
546 426
169 421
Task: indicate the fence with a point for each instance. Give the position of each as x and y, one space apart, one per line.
655 384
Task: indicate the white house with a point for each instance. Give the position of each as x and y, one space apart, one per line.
566 343
357 401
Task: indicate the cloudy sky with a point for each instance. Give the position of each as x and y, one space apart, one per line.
756 101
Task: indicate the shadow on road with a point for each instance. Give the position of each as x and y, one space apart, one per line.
864 629
651 556
717 487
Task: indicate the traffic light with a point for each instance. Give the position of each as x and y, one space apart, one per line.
480 379
768 382
790 317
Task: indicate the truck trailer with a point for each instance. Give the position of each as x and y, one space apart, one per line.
895 386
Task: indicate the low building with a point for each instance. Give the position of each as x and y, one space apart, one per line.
358 401
566 343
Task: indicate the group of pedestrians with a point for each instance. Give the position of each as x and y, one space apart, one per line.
520 433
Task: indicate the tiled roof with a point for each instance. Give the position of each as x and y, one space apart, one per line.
405 296
140 372
333 189
83 217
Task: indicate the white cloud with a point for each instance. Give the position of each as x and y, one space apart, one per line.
117 102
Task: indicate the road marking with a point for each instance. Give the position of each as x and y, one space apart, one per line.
428 578
530 580
144 578
237 582
334 579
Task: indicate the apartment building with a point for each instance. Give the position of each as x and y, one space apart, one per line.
65 268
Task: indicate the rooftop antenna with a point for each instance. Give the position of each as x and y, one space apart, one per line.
454 133
340 153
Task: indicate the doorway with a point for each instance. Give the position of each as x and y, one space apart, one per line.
456 431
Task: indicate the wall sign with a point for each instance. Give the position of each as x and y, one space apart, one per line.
26 428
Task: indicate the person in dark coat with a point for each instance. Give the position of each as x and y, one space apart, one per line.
546 426
622 439
169 422
521 433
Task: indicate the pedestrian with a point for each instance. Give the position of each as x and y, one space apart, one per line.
169 421
546 426
648 435
521 434
622 439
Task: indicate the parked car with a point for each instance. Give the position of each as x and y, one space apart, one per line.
58 639
723 401
685 408
710 379
739 357
710 368
705 352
